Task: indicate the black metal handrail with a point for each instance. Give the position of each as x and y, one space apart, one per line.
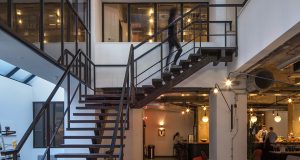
192 24
127 91
45 108
60 123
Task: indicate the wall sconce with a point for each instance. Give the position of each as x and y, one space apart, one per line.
161 129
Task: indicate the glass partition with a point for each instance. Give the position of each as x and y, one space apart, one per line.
52 28
82 37
201 30
26 20
3 13
141 22
82 10
69 29
115 22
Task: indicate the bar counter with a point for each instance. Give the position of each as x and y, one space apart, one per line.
194 149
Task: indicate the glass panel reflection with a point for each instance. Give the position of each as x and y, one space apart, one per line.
69 28
82 37
3 11
82 10
115 22
195 29
142 22
163 16
52 27
26 20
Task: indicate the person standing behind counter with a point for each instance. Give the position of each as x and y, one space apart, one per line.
261 134
269 140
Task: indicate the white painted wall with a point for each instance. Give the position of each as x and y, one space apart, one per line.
173 122
16 101
263 26
224 143
281 128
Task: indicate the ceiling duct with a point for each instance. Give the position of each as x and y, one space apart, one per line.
262 80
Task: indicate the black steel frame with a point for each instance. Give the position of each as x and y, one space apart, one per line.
87 26
155 6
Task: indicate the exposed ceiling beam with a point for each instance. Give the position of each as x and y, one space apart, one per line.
12 72
29 79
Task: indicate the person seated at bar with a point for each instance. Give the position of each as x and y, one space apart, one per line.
269 140
178 146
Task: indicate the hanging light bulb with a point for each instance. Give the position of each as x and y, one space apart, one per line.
205 118
253 119
277 118
273 113
290 100
188 110
228 82
216 90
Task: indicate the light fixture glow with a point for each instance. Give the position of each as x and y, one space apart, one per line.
58 12
228 82
151 12
19 12
151 20
189 20
204 108
151 40
253 119
188 110
290 100
299 118
216 90
20 21
277 118
251 109
182 112
58 20
205 119
161 123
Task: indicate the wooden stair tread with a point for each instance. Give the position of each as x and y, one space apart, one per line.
94 121
95 114
87 146
92 129
85 155
91 137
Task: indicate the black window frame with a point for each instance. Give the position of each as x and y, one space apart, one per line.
43 118
155 19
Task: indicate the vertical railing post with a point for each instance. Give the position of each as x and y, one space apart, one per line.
225 30
48 131
194 37
94 79
132 87
69 99
86 75
161 60
236 32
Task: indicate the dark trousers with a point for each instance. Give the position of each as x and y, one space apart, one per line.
173 42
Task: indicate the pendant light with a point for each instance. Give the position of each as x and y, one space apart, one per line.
205 118
253 119
277 118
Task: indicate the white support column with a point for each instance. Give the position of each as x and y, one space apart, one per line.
226 143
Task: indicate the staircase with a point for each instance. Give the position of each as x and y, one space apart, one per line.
109 112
